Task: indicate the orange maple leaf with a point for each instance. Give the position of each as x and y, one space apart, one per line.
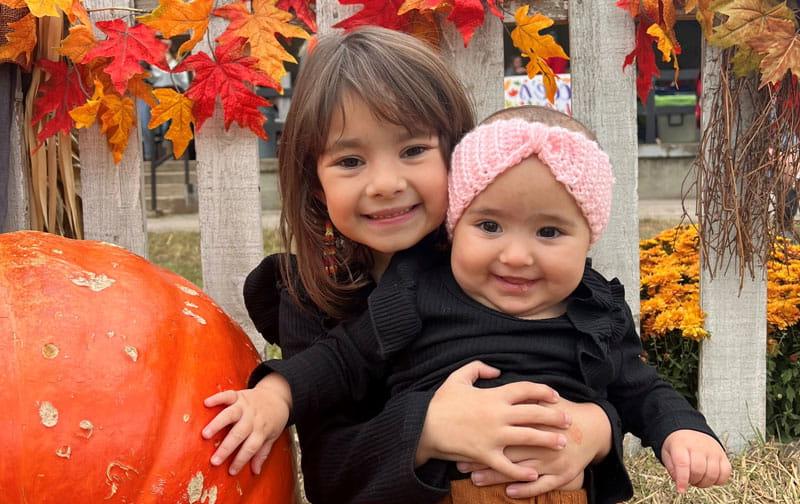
747 19
20 41
140 88
537 47
259 29
665 44
117 121
78 43
85 115
175 17
53 8
174 106
780 46
77 12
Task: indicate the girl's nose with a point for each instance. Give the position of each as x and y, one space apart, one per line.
516 254
386 181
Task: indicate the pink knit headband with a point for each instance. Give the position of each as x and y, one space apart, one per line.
575 160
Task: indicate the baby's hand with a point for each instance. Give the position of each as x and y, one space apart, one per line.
694 458
258 415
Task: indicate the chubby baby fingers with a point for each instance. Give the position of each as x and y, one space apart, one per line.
229 415
251 446
260 457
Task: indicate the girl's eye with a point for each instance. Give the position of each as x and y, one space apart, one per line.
349 162
489 227
548 232
414 151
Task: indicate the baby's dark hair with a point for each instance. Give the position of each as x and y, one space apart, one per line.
544 115
403 81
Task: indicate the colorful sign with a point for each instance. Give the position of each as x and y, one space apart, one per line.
521 90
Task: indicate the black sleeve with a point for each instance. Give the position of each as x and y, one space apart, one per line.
363 451
262 296
607 481
649 407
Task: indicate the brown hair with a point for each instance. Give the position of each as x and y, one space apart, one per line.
403 81
544 115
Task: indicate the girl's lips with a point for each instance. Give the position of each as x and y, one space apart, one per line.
390 213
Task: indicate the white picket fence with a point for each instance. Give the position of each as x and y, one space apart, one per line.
732 373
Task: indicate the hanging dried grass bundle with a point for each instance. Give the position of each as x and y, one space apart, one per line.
55 191
749 146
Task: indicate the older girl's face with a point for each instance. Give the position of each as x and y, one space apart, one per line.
384 187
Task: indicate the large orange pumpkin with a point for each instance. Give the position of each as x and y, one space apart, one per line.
105 360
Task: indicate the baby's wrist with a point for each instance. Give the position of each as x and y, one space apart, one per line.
276 384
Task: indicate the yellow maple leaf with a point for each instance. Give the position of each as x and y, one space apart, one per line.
79 42
779 45
53 8
666 45
173 106
175 17
116 121
704 14
537 47
86 114
745 61
259 28
747 19
20 41
78 13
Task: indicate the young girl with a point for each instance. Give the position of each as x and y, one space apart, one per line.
374 117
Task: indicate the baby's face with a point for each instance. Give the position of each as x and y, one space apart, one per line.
521 246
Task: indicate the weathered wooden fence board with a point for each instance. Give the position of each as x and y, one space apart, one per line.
732 381
113 196
17 194
231 239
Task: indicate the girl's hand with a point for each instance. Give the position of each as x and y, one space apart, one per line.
465 423
258 416
589 440
694 458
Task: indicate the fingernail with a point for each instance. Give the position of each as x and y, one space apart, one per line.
232 471
555 394
562 441
512 491
215 461
477 478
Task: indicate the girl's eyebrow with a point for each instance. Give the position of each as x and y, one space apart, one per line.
344 143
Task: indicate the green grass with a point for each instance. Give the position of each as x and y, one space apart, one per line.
179 252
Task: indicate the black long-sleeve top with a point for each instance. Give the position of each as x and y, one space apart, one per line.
363 451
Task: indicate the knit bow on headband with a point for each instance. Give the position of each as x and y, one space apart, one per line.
575 161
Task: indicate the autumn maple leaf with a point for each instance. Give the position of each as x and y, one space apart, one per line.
19 40
376 12
117 119
466 15
59 94
779 44
301 10
537 47
224 77
85 115
646 68
78 43
53 8
175 17
746 20
704 14
259 29
174 107
127 46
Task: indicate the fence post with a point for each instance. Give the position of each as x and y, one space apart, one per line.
113 202
604 99
231 238
732 375
17 214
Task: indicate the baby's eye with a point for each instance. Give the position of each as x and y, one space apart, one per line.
489 226
548 232
415 151
349 162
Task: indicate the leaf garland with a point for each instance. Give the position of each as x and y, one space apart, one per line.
763 34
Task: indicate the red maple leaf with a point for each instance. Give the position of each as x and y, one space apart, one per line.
376 12
301 10
127 46
646 68
57 95
225 78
